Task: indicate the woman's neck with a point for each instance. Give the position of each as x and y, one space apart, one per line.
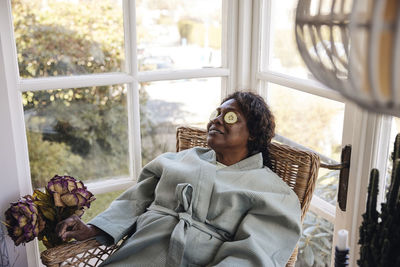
231 157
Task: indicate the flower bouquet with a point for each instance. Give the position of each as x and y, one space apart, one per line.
37 215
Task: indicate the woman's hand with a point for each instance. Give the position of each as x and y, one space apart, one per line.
74 227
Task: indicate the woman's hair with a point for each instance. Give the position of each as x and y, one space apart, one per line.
260 122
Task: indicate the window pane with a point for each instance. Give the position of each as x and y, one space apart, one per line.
167 104
68 37
179 34
284 56
309 120
79 132
316 242
314 122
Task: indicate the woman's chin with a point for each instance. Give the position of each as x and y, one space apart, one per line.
211 142
216 146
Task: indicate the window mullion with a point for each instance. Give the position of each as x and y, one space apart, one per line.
165 75
307 86
256 37
230 22
265 40
48 83
135 158
244 45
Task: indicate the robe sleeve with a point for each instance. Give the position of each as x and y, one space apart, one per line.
119 219
266 236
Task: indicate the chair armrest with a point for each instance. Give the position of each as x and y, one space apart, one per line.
77 253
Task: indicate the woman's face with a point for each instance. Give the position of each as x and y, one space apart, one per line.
228 132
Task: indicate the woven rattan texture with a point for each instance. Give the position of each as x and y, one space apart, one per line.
80 253
298 168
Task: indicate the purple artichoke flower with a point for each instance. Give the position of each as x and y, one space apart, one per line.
23 221
68 192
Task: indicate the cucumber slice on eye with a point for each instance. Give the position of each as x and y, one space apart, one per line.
230 117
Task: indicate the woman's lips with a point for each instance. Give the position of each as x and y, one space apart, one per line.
214 131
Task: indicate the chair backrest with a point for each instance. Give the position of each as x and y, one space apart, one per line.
298 168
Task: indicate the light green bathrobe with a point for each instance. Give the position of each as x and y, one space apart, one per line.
185 212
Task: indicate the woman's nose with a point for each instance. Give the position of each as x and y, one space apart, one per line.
217 119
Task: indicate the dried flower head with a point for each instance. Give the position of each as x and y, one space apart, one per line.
23 221
68 192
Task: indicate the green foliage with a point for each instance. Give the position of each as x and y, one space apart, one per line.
81 131
316 242
102 202
48 158
68 129
327 186
379 232
63 38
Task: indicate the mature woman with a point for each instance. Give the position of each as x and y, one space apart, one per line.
205 207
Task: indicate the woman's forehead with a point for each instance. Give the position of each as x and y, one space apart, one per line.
230 104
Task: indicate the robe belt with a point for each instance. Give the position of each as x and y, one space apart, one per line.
189 221
178 236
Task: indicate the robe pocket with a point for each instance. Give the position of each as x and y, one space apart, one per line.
200 247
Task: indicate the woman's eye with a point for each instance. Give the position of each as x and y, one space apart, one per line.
214 114
230 117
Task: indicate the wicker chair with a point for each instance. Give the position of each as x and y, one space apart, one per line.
299 169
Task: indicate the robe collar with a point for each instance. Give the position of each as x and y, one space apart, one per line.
253 162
